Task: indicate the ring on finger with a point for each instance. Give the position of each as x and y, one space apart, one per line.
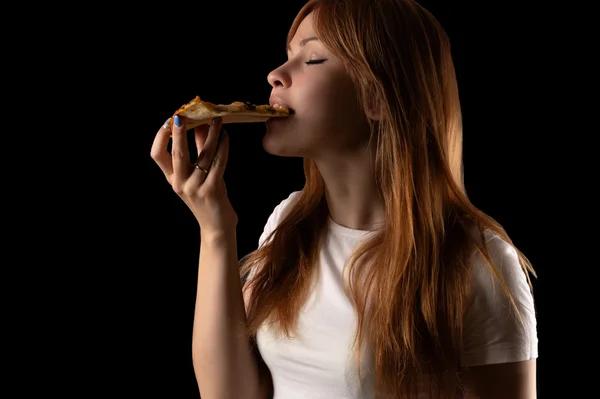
201 169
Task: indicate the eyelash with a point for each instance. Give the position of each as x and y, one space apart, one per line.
313 62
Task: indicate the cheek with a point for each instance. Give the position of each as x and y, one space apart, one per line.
336 111
330 100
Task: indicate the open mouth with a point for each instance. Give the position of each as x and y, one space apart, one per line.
283 107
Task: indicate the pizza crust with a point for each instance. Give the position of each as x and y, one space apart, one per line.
198 112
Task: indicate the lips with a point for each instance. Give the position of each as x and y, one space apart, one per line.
276 102
277 105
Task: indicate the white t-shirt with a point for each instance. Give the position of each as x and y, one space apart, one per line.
317 363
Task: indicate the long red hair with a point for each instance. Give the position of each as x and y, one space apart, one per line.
398 53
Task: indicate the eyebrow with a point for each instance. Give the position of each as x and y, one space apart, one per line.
303 42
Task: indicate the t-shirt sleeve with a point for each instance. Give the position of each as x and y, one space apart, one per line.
273 221
277 216
492 330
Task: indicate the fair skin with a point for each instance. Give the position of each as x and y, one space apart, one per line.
328 127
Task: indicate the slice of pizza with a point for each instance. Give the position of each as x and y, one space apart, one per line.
198 112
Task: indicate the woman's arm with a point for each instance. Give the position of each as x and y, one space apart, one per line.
225 364
515 380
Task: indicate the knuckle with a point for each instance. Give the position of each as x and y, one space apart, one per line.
177 153
189 191
178 187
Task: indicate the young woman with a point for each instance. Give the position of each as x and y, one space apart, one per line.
379 279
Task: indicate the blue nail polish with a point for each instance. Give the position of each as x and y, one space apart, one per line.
177 121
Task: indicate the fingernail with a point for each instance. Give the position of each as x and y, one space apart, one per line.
216 120
167 124
177 121
222 135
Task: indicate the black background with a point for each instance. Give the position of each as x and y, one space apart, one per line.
133 310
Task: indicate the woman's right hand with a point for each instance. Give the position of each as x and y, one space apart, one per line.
200 183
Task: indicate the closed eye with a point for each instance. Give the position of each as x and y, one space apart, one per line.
313 62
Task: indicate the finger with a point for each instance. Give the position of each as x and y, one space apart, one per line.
159 151
180 151
209 147
200 135
207 153
217 169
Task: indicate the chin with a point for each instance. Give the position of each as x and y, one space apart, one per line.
286 138
280 149
280 145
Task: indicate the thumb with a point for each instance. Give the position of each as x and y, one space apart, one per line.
217 168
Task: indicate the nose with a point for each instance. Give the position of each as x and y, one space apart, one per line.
279 78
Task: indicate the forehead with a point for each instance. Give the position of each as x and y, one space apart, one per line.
305 30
